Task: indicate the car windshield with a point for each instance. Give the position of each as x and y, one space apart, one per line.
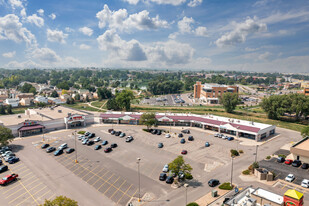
5 178
290 176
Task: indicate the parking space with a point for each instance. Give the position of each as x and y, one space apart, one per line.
27 190
284 186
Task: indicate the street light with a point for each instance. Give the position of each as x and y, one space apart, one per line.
139 180
75 147
186 186
232 172
256 151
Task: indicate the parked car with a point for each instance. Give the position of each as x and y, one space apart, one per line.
129 139
216 135
186 131
4 149
207 144
162 177
117 133
180 135
105 142
44 146
97 147
80 137
290 178
58 152
280 159
90 142
87 133
85 141
13 160
6 153
182 141
159 132
288 162
305 183
113 132
63 146
7 179
107 149
50 149
69 150
165 168
3 168
160 145
0 162
184 152
305 166
97 139
167 135
224 137
122 134
169 180
110 130
114 145
154 131
230 138
190 138
6 158
296 163
90 135
213 182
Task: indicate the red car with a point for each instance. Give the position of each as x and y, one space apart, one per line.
9 178
288 162
184 152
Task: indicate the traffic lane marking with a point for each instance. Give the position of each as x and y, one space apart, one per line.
99 179
106 181
91 178
124 193
111 185
118 188
87 173
40 198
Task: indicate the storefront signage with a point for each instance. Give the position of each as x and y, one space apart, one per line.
29 123
290 204
75 118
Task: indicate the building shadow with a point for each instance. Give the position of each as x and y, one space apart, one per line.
16 148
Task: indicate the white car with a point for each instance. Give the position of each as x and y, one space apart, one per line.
305 183
167 135
97 139
217 135
165 168
80 137
63 146
224 137
6 153
290 178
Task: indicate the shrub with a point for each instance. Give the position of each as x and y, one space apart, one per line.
241 151
81 132
234 152
268 157
255 165
226 186
282 155
192 204
188 176
250 168
246 172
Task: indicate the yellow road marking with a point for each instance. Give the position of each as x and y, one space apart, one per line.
40 190
100 178
118 189
22 171
36 186
134 192
124 193
90 171
106 182
111 185
19 168
93 175
23 200
7 196
44 194
17 197
284 186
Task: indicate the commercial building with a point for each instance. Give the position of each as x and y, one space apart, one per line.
239 128
211 93
300 150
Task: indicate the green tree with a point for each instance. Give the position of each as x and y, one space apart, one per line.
26 88
124 98
60 201
54 94
179 165
111 104
87 98
2 109
32 90
104 93
305 132
229 101
9 109
148 119
6 135
77 97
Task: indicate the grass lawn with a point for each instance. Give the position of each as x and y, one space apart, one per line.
82 106
98 103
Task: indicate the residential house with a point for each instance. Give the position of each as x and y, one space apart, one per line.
13 102
25 101
41 99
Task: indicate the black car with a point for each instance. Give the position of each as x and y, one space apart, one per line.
113 132
117 133
280 159
58 152
154 131
296 163
97 147
44 146
3 168
69 150
105 142
162 177
50 149
182 141
186 131
107 149
305 166
89 143
12 160
159 132
213 182
190 138
169 180
110 130
114 145
180 135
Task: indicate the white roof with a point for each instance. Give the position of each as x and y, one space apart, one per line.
268 195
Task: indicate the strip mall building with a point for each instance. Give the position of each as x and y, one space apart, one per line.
239 128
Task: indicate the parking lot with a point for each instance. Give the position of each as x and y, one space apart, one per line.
169 100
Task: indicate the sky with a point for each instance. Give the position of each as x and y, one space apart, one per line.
242 35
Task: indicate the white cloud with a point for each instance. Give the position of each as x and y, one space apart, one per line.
45 55
132 1
25 64
40 12
184 25
9 54
52 16
12 29
264 56
251 49
121 21
86 31
36 20
194 3
172 2
68 29
84 47
16 3
201 31
56 36
240 32
296 16
23 13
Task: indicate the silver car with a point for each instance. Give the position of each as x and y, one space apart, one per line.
165 168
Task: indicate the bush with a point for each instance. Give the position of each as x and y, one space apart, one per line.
250 168
282 155
255 165
146 130
188 176
246 172
234 152
192 204
268 157
241 151
226 186
81 132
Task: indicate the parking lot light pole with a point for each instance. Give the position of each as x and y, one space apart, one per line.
75 147
256 151
139 180
186 186
232 172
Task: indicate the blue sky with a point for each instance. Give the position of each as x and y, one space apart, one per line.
260 35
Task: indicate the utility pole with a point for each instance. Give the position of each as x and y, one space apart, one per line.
75 147
256 151
186 186
232 172
139 180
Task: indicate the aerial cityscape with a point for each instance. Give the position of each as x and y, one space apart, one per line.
154 102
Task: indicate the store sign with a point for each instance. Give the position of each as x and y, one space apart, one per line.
30 123
290 204
75 118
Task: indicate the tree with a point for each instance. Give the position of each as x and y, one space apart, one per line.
104 93
77 97
148 119
305 132
64 92
6 135
60 201
124 98
229 101
9 109
179 165
54 94
87 98
2 109
26 88
111 104
32 90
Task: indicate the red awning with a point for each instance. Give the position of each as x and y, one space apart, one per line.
31 127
